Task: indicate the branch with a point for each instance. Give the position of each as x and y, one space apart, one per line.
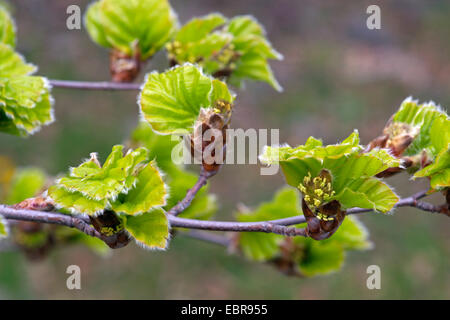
261 226
80 224
85 85
280 226
190 195
51 218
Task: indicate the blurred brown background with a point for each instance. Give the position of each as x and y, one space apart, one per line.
337 75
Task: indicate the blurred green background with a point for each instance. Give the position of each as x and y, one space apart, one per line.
337 75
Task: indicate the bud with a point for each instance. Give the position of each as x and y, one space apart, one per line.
400 136
317 191
110 225
124 68
213 121
322 215
37 203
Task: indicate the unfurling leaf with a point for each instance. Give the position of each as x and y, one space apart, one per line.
171 101
235 49
125 184
131 26
438 171
352 181
417 133
149 192
420 135
299 255
7 28
150 229
25 101
418 120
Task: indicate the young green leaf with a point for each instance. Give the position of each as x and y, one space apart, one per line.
7 28
261 246
26 184
171 101
13 64
117 175
438 171
428 128
150 229
149 192
236 49
125 184
321 258
25 101
4 231
75 201
308 256
127 25
199 28
352 172
418 120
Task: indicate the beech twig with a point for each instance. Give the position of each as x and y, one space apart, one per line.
280 226
92 85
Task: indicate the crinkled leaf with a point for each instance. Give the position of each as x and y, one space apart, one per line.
125 183
26 184
24 121
351 170
251 43
12 64
151 229
117 175
439 135
124 24
239 48
356 166
312 148
369 193
26 104
198 28
253 66
24 91
148 193
171 101
196 42
76 202
25 101
432 127
7 28
422 117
